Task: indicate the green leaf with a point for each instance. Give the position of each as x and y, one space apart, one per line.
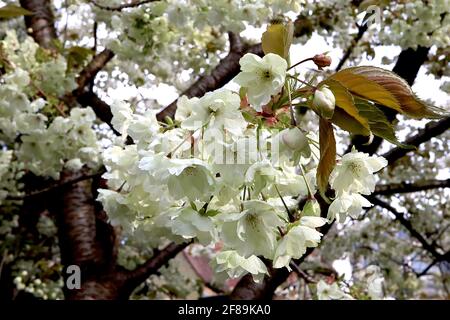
379 124
327 154
212 213
11 11
277 39
348 116
346 122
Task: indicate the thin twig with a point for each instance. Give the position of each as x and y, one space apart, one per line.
408 225
56 186
290 215
301 273
132 4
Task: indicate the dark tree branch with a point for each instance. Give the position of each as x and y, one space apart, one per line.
40 23
389 189
409 63
101 108
87 75
361 30
151 266
84 95
425 271
431 130
56 186
412 231
131 4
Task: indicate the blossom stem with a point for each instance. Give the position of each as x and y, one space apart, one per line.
181 143
263 197
304 82
291 108
299 63
310 194
314 142
291 217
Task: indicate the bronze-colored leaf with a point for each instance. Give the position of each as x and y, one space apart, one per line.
327 154
386 88
277 39
410 104
363 87
344 100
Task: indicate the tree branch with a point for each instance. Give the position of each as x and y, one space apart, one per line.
408 226
87 75
431 130
389 189
122 6
101 108
56 186
361 30
84 94
151 266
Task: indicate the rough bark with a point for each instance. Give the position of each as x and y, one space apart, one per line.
86 238
40 25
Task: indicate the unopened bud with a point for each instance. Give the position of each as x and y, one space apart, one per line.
324 101
322 60
294 139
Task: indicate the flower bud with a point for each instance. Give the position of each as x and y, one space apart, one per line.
324 101
322 60
294 139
